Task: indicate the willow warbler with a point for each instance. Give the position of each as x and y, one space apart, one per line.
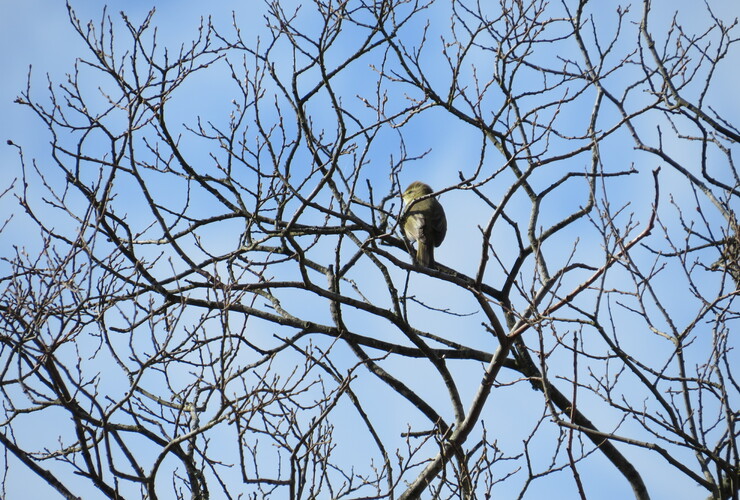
423 222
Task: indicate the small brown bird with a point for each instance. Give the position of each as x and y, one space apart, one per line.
423 222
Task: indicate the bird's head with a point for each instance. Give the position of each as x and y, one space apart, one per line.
415 190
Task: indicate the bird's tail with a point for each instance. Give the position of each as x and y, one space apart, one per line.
425 253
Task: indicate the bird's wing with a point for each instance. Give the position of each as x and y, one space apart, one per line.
439 224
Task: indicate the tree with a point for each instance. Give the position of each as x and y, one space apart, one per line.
223 304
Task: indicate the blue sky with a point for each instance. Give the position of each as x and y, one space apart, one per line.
37 33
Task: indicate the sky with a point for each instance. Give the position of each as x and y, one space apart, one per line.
37 33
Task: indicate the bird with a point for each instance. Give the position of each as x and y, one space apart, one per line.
423 222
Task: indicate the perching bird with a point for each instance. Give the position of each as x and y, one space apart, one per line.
423 222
